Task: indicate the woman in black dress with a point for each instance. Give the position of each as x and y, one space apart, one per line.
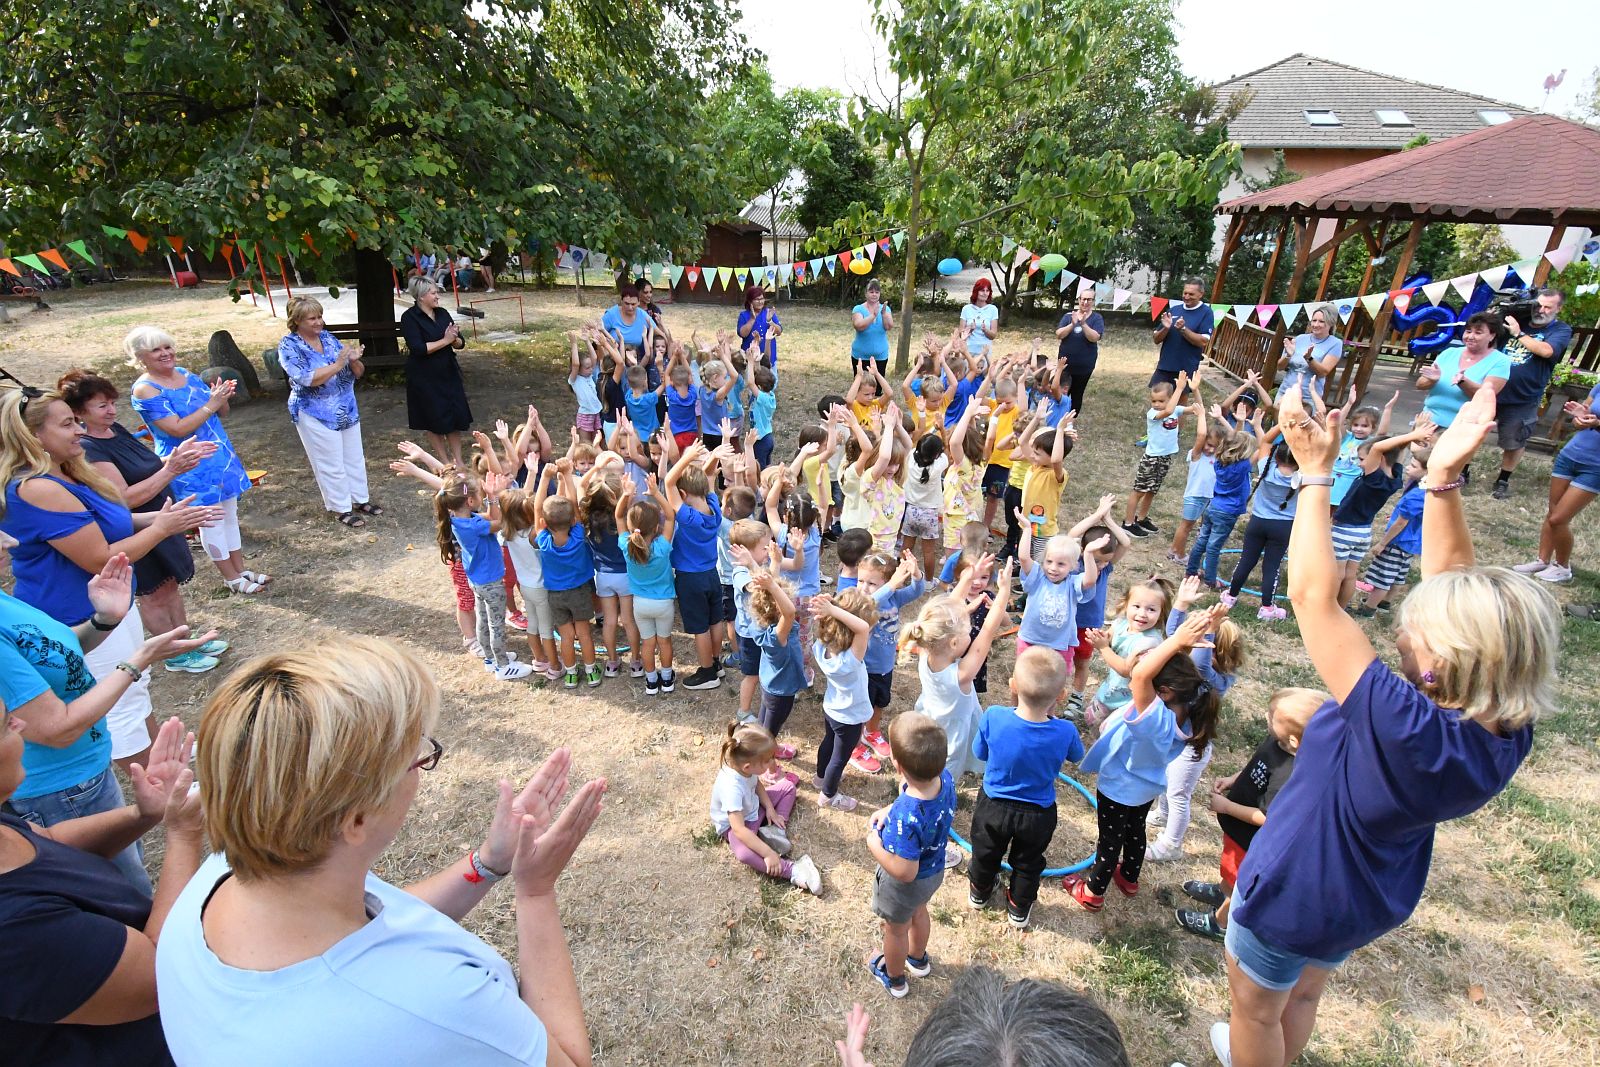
436 393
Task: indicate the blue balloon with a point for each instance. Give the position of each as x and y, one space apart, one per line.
950 266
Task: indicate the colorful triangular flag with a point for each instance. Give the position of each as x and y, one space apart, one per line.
725 274
1033 264
9 267
1158 304
1494 277
33 261
1290 312
82 249
899 237
55 257
1434 291
743 274
139 241
1264 313
1067 278
676 273
1102 292
785 272
1020 256
1372 302
885 245
177 244
1244 312
846 256
1347 307
871 250
1560 257
1524 269
1086 285
1006 245
113 232
832 263
815 265
1119 297
1218 311
693 274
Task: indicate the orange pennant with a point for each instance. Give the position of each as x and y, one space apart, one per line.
177 244
55 257
306 237
139 241
9 267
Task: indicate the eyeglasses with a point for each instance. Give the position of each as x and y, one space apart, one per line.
431 760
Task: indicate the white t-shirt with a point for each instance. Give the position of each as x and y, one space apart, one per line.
955 709
525 559
845 700
979 317
409 987
732 792
931 493
853 516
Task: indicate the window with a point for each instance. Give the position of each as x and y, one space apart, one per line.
1393 117
1322 118
1494 117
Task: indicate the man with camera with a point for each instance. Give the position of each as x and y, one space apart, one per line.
1535 341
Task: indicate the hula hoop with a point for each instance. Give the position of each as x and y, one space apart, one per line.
1244 588
1053 872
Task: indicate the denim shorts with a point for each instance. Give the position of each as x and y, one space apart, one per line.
749 657
1585 476
1194 507
1267 965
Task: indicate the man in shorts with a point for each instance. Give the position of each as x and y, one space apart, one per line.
1535 348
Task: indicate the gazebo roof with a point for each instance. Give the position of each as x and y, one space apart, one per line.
1537 170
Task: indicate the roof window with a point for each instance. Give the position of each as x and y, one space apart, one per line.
1494 117
1393 117
1322 118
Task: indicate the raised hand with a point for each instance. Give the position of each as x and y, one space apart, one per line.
1315 440
111 591
1098 544
544 842
1457 442
161 786
1189 591
1192 633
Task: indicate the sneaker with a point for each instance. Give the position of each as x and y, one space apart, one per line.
1228 600
517 621
570 677
1533 566
214 647
669 681
1382 607
784 752
1134 529
1222 1044
877 742
1127 888
838 802
745 718
613 668
704 678
554 674
1157 817
953 857
919 966
513 671
725 664
1149 527
1274 614
1205 892
897 987
636 669
823 579
592 675
774 778
976 899
652 686
1502 491
1364 586
475 650
864 761
1200 923
775 838
1079 889
803 873
1016 914
1555 573
1363 612
1173 557
1161 853
1075 705
190 663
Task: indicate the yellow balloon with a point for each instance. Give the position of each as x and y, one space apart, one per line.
860 266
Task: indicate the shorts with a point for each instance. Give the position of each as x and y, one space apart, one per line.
836 491
1267 965
1515 426
699 600
1194 507
588 425
465 601
1389 568
568 606
728 608
1232 856
611 583
1583 475
749 657
896 902
1067 654
685 439
1350 543
921 522
653 617
536 604
1168 376
1083 651
879 689
1151 473
995 478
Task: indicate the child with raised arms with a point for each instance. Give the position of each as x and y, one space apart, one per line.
751 818
468 535
782 675
1137 629
568 567
1094 527
644 532
891 588
1054 589
698 515
1400 543
518 520
1161 420
844 628
583 379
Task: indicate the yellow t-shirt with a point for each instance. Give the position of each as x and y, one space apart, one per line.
811 475
963 500
864 412
1019 473
1041 499
1005 422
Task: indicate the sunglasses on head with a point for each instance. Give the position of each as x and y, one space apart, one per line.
29 392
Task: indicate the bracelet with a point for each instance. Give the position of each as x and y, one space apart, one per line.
133 672
1446 487
103 627
1316 479
480 872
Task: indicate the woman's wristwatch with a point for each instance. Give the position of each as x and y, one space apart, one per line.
1316 479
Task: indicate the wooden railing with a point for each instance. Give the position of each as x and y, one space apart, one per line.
1584 351
1242 347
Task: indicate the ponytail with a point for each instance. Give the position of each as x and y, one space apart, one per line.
744 742
452 496
644 524
1193 693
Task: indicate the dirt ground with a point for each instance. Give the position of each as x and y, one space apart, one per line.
682 955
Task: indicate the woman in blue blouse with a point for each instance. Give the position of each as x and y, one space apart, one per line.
1344 856
178 406
322 377
872 320
1310 358
757 323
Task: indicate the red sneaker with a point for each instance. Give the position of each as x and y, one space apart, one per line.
864 761
1128 888
1079 889
877 742
517 621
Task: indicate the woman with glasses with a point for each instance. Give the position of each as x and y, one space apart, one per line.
286 948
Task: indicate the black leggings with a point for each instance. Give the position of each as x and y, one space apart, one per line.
861 364
775 711
839 741
1011 502
1076 385
1265 540
1121 843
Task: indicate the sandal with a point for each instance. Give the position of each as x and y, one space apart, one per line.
350 519
258 577
367 507
243 584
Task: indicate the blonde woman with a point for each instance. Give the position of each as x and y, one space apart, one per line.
436 392
322 375
286 948
178 406
1332 871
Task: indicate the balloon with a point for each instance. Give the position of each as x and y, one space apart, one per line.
1053 262
860 266
949 266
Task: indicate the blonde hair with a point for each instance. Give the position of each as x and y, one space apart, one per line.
301 308
1236 445
764 605
1495 634
1294 707
142 339
1038 677
749 533
1227 654
23 457
747 743
516 513
291 747
835 635
937 623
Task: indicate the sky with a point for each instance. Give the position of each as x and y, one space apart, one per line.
1491 49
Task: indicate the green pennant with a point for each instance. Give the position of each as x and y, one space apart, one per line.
82 249
1218 311
1006 246
33 261
114 233
899 239
677 274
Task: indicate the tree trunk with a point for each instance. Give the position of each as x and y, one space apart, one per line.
375 298
908 299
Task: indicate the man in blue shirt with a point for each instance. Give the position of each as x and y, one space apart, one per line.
1535 348
1183 334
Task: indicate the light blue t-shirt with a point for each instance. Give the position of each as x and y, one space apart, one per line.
587 390
40 655
1303 351
872 342
1202 479
612 323
1276 496
1117 690
1133 751
1444 399
886 634
409 987
762 409
1161 434
652 580
845 699
808 579
1051 617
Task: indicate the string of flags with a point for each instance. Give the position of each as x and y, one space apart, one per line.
43 260
857 260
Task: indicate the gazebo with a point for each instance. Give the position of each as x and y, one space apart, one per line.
1538 170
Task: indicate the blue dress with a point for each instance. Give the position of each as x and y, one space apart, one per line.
333 403
218 477
45 578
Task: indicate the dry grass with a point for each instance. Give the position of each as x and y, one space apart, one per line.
684 956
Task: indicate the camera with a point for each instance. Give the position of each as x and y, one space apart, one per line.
1519 304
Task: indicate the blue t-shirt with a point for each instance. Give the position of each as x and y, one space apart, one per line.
1584 445
1161 432
881 646
1409 508
1051 617
694 542
1080 353
565 566
642 411
605 550
1177 354
612 323
1444 399
1232 490
586 388
1303 351
960 397
782 662
1092 612
39 654
652 580
682 408
712 410
1353 828
1023 757
764 321
1366 498
1133 751
480 549
1202 478
44 577
915 829
808 579
1276 493
1530 376
736 402
1060 408
1203 657
762 408
872 342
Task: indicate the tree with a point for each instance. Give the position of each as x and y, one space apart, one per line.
967 71
842 175
349 124
1478 248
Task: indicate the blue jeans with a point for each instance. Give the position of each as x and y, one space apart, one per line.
1214 531
100 793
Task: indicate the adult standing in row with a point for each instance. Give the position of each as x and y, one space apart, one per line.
177 406
758 322
1574 483
322 375
1462 371
1080 331
1310 358
627 321
872 320
436 390
981 319
1533 348
145 483
1183 334
647 300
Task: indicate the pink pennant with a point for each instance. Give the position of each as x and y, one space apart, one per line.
1264 312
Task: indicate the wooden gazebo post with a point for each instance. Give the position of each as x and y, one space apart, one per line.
1380 326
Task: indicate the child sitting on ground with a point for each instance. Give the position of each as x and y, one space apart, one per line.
1241 802
751 818
844 628
908 841
1015 817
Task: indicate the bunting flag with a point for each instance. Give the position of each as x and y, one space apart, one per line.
871 250
832 263
1218 311
9 267
1401 299
139 241
1006 245
82 249
1158 304
743 274
177 244
33 261
1033 264
884 246
1347 307
55 257
113 233
1464 285
1264 313
694 276
1434 292
1120 297
899 238
1244 312
1102 292
1067 278
1524 269
785 272
724 274
1494 277
676 273
306 237
1020 256
844 258
815 266
1290 312
1372 302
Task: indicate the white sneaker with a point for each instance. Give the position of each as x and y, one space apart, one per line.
1163 854
953 857
1533 566
1555 573
1158 814
838 801
513 671
1220 1044
775 838
804 874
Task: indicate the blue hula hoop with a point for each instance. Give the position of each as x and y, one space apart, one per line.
1053 872
1244 588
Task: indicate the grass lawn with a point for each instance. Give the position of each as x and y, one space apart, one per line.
682 955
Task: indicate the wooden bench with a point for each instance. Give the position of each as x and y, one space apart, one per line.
363 333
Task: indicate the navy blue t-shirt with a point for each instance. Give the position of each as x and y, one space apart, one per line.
1367 497
915 829
1530 376
1177 354
1080 353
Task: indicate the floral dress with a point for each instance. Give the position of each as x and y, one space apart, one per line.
886 505
216 478
963 500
